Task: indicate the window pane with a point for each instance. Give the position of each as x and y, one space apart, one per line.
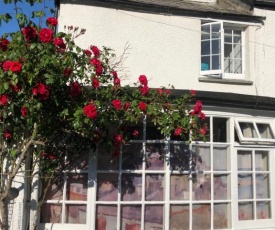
202 187
237 51
216 62
219 129
261 161
201 216
228 51
245 186
263 210
55 192
262 186
106 217
51 213
75 214
205 32
246 211
237 36
107 186
202 158
228 65
154 187
205 63
105 160
221 159
221 187
132 155
179 157
216 28
237 66
265 131
81 163
179 217
222 214
248 130
153 133
131 187
155 154
205 47
77 186
179 187
228 35
216 46
130 217
154 217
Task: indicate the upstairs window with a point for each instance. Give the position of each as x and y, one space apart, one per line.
222 50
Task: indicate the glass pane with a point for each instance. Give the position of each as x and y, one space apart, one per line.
237 66
106 217
105 160
75 214
107 186
221 160
262 186
216 28
248 130
228 65
132 155
216 46
219 129
265 131
80 163
179 187
131 187
179 217
228 35
222 187
245 186
237 51
179 157
55 192
153 133
246 211
205 47
216 62
155 154
261 161
237 36
222 213
154 185
263 210
244 161
202 187
201 158
77 186
154 217
130 217
205 32
205 63
228 51
201 216
135 131
51 213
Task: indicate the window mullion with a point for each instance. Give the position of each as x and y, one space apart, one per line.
222 49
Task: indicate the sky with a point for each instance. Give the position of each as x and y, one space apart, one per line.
27 9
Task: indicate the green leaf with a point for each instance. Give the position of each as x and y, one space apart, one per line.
6 85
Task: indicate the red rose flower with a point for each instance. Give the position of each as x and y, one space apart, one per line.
118 138
142 106
7 134
24 111
198 107
143 80
67 72
45 35
41 91
117 104
95 50
95 82
15 88
135 133
52 21
4 44
178 131
144 90
193 92
75 89
90 111
29 33
3 99
114 73
15 67
95 62
98 70
127 105
203 130
202 116
6 65
88 53
59 43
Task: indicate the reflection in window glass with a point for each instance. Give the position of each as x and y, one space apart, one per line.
131 217
154 188
155 154
263 210
246 211
77 186
202 187
51 213
179 217
201 216
248 130
179 187
106 217
222 216
107 186
265 131
131 187
154 217
75 214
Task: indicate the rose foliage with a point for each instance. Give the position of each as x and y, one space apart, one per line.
54 94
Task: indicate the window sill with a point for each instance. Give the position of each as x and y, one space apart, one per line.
225 81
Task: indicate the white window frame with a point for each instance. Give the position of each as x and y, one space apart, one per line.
220 72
